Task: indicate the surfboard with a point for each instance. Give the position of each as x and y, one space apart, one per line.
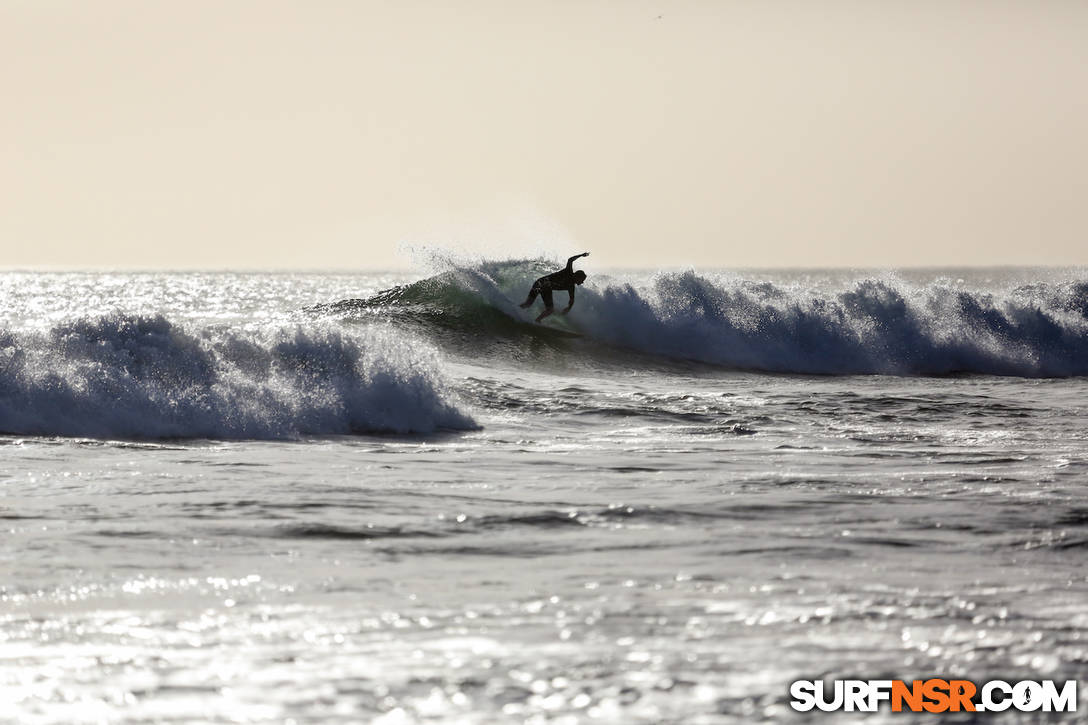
560 326
548 327
553 330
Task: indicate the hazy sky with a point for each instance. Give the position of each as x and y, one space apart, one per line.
325 134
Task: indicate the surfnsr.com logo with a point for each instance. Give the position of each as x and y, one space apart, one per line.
933 695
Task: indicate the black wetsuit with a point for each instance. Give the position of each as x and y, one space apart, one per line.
565 279
561 280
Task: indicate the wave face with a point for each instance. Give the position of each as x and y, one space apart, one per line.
866 326
147 377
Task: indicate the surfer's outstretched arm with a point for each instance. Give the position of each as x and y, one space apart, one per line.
570 262
567 308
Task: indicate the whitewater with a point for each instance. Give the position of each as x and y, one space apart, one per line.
391 498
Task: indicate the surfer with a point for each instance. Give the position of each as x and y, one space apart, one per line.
564 279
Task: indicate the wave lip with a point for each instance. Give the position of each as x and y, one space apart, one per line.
146 377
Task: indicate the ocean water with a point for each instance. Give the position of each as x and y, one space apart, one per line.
392 499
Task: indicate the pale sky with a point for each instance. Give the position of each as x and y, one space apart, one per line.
327 134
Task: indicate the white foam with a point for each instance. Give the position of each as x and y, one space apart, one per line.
869 326
148 377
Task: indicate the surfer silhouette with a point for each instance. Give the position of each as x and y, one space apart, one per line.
564 279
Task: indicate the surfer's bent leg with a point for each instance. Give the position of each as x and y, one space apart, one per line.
546 295
533 292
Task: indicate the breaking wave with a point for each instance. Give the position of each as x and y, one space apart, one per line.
866 326
147 377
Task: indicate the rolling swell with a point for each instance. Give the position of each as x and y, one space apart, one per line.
867 326
147 377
